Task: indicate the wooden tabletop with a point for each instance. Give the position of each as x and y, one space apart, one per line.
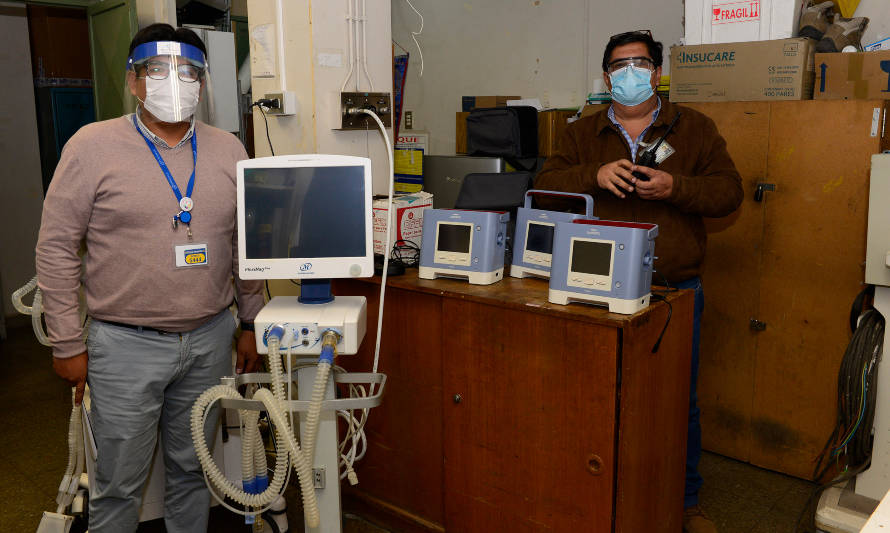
529 294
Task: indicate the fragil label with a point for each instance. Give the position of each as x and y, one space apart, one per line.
735 12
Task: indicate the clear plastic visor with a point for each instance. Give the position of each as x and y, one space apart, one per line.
175 76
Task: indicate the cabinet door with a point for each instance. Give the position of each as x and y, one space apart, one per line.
731 283
401 473
813 255
529 431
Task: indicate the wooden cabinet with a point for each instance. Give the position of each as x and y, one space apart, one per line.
793 262
504 412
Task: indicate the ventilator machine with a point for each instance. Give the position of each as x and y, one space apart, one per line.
533 241
603 262
463 244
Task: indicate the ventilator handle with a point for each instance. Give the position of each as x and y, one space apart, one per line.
588 200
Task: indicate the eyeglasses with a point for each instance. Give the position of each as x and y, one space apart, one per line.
630 33
160 70
638 62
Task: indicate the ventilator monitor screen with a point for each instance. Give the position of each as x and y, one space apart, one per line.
454 238
540 238
589 257
304 216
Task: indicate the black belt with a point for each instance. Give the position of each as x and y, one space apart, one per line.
137 328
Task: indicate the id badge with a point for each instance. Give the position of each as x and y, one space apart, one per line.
664 151
191 255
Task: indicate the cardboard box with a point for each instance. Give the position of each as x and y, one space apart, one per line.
856 75
732 21
407 219
763 70
469 102
408 161
591 109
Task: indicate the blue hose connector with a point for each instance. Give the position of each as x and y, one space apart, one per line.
250 486
275 331
327 354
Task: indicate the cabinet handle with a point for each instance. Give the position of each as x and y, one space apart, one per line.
758 194
458 398
757 325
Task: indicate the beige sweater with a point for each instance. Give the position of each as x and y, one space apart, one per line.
109 190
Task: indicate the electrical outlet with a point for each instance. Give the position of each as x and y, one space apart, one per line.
287 103
318 477
409 120
350 116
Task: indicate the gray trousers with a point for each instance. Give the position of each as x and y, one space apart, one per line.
141 381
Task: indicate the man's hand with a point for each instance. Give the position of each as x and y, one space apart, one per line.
248 359
616 176
659 186
74 371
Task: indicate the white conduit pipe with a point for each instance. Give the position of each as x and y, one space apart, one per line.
365 44
349 36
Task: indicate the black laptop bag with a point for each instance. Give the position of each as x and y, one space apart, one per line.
508 132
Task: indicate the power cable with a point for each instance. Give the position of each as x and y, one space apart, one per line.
260 104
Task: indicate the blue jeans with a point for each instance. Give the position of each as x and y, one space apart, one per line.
141 381
693 439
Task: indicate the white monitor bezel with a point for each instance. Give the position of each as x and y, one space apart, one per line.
453 258
533 256
591 281
295 268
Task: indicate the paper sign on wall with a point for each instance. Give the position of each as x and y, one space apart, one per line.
262 51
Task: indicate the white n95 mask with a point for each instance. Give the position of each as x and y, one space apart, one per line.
171 100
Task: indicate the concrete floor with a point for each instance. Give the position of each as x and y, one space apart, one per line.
740 498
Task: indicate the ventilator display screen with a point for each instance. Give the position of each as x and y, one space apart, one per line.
590 257
454 238
305 212
540 238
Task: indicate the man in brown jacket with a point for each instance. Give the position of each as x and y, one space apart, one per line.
696 179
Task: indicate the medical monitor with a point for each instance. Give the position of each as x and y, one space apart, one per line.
454 242
591 260
305 217
539 240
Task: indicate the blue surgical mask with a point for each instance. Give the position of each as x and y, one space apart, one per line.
631 85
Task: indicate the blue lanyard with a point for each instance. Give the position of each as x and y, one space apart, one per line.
185 216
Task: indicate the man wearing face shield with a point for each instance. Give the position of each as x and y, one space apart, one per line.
152 195
692 177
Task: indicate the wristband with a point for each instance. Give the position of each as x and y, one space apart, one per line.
247 326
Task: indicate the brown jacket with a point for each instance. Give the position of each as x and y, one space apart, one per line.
706 182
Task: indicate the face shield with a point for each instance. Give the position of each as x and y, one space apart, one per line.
174 74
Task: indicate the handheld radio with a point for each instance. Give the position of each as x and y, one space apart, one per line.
648 157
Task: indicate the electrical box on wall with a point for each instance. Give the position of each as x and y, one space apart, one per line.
287 103
351 104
